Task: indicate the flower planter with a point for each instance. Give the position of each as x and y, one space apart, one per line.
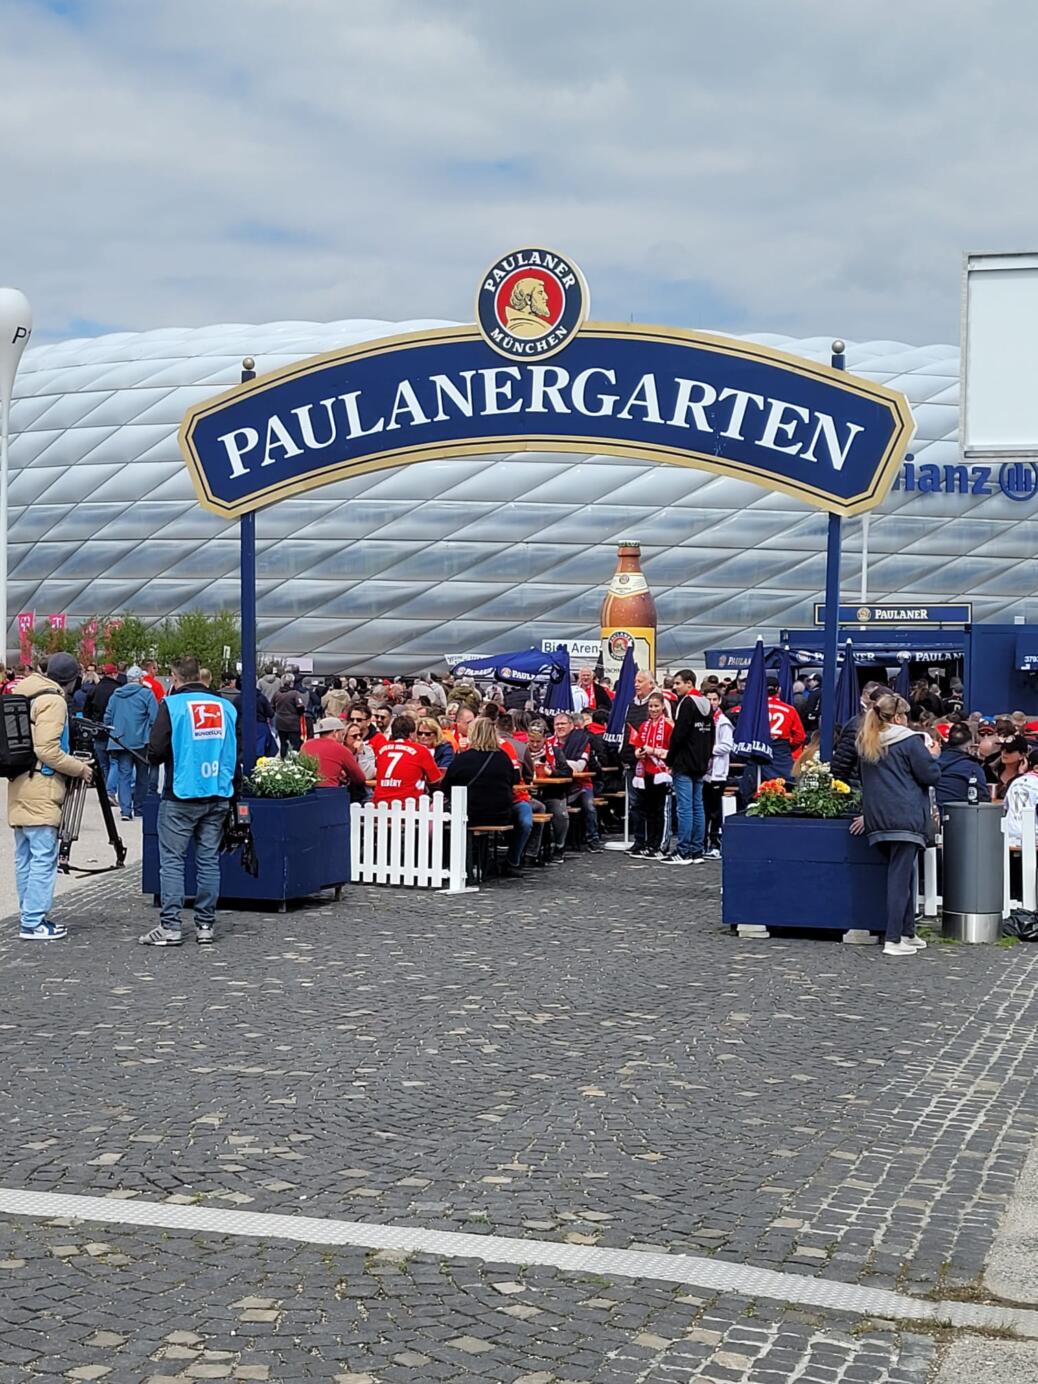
804 872
302 844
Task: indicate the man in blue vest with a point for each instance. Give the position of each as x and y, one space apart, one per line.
196 737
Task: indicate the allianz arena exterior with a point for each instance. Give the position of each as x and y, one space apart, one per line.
390 571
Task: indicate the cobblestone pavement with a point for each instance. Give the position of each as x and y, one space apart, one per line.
586 1056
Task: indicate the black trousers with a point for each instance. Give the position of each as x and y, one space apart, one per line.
290 740
654 803
902 859
713 806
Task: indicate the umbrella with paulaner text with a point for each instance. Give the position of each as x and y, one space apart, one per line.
753 728
615 731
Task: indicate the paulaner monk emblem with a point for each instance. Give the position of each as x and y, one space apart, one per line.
530 304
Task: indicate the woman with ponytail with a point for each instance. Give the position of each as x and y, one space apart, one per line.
897 773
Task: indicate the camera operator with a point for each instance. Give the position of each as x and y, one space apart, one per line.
34 799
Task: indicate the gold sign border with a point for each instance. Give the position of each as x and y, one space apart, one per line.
541 442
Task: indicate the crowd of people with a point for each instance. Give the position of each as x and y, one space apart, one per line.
554 782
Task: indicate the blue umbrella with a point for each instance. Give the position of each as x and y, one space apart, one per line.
785 674
559 696
753 729
624 695
848 693
527 665
903 682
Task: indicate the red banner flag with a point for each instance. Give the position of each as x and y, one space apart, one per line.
89 646
26 621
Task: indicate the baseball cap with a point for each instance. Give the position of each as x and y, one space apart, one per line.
134 674
62 668
327 724
110 669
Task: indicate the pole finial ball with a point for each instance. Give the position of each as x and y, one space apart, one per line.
839 347
248 363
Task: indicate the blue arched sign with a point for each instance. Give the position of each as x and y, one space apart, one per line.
533 375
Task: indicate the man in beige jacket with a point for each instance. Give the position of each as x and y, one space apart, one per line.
34 799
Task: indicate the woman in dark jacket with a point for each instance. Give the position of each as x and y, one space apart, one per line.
897 773
487 772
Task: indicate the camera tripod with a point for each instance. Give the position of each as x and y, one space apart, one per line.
82 734
72 818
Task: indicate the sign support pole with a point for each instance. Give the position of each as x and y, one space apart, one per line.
832 606
247 529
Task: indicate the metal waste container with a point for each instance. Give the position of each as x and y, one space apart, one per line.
973 868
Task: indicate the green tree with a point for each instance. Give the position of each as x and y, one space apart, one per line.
48 640
203 635
126 639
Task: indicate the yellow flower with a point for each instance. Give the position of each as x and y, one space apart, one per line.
840 786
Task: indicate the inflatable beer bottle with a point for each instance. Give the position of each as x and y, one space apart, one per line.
628 613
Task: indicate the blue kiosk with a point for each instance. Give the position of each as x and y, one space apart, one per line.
998 664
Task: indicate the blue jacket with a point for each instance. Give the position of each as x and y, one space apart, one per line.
956 771
896 791
129 715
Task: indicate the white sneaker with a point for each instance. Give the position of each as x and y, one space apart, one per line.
713 854
898 949
916 943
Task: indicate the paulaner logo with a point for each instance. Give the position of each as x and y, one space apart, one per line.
530 304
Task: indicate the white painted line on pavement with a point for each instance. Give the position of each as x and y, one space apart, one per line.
691 1270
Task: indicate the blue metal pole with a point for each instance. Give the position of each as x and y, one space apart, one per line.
838 361
248 620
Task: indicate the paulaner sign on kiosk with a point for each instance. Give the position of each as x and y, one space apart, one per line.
658 393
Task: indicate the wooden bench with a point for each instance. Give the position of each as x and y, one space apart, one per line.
483 842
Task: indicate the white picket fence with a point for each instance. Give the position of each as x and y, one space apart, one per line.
1028 862
930 901
408 843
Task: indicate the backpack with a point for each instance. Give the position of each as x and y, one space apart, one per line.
17 752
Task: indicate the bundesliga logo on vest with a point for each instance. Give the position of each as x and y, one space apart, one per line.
530 303
204 750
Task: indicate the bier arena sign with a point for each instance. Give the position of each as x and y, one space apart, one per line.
650 393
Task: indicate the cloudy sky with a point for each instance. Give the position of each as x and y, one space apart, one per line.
793 166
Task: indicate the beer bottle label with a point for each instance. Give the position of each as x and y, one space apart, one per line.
627 584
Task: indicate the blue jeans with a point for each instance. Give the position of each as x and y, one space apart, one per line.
131 784
180 823
688 794
587 802
35 870
522 819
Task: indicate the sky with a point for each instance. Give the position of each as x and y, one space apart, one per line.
787 166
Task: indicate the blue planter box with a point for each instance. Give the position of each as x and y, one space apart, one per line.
302 844
806 872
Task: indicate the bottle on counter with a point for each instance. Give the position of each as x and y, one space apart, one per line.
628 614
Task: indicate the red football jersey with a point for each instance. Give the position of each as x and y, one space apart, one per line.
785 723
402 771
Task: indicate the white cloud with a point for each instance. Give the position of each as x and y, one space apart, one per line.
798 167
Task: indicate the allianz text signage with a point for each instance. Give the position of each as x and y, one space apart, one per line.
532 374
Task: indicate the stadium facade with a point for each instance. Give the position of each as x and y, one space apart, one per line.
391 570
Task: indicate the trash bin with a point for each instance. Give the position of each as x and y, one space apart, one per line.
973 869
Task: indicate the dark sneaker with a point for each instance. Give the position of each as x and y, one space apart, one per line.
43 932
203 932
161 937
639 853
595 847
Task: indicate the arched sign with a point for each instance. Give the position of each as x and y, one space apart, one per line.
650 393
